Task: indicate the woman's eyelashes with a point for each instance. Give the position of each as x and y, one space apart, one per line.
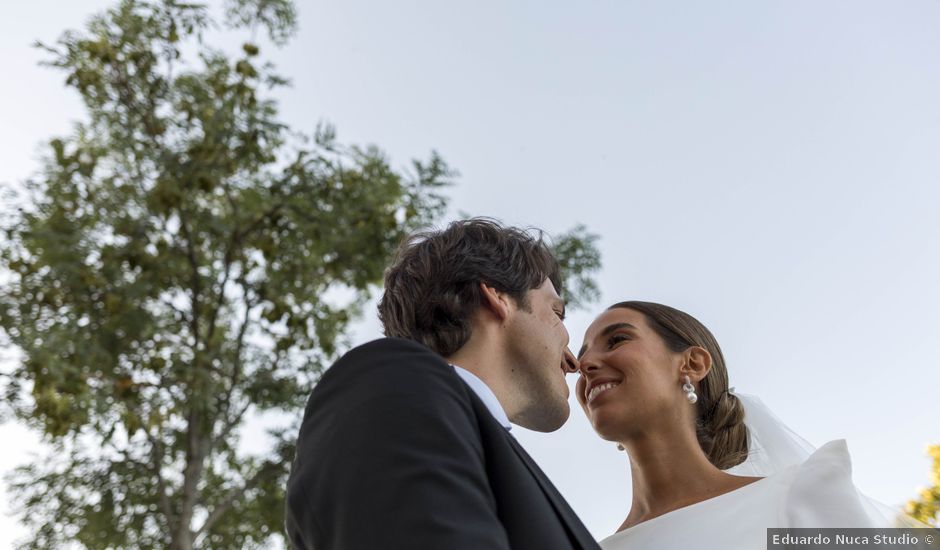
616 339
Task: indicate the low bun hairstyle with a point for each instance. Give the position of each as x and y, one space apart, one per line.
719 424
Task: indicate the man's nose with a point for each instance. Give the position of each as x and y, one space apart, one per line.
571 362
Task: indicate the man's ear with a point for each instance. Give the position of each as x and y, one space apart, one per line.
496 302
698 363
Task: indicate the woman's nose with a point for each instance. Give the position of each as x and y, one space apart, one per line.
586 364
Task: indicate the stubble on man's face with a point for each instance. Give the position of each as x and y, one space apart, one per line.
537 341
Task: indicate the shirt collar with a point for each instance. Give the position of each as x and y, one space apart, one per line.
485 394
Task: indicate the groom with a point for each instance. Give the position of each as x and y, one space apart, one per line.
406 441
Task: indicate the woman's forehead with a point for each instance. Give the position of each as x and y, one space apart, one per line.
610 320
616 315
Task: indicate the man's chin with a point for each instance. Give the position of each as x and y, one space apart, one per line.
546 421
561 419
563 412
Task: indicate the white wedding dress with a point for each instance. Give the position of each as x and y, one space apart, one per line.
815 493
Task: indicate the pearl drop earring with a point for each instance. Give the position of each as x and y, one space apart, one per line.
689 390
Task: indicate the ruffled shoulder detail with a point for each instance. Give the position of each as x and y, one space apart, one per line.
822 494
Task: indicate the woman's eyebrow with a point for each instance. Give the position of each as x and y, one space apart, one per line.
607 330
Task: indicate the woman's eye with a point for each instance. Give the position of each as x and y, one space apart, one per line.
616 339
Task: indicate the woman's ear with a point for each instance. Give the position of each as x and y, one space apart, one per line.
495 302
698 363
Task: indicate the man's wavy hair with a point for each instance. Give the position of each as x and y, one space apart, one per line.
432 288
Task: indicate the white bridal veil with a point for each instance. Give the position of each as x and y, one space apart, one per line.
772 446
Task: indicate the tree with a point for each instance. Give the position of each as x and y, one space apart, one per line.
926 508
183 263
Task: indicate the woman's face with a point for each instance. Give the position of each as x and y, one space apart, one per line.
630 381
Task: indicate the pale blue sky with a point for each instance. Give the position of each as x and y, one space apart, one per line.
770 168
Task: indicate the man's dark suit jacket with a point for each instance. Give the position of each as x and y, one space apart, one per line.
397 452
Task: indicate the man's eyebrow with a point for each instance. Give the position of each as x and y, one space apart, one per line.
607 330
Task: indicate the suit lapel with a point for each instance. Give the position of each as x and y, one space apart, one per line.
576 531
573 525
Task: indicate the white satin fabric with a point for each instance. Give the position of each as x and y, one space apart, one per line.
818 492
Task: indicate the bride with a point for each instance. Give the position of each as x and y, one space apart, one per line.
708 466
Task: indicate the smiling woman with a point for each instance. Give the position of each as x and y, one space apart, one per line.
659 330
653 379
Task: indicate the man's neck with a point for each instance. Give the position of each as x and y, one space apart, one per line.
487 362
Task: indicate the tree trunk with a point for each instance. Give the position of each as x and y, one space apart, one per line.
182 539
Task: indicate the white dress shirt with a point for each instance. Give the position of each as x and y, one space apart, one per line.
485 394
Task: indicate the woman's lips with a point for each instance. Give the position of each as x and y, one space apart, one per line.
598 387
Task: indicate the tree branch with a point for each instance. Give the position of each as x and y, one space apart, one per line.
239 344
269 468
234 241
157 455
195 446
232 421
196 284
